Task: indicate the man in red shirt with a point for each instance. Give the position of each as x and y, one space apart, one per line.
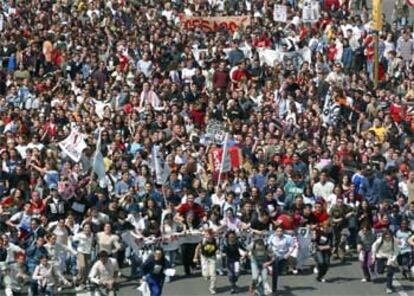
190 206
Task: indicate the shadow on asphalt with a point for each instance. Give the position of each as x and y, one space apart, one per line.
289 291
340 279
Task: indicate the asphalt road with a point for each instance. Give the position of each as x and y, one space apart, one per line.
342 280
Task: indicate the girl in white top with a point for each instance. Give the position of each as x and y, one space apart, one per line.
107 241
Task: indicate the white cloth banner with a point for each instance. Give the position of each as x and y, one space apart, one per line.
98 160
73 145
161 168
100 108
280 13
270 57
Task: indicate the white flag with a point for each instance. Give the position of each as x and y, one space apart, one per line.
162 169
98 160
73 145
225 165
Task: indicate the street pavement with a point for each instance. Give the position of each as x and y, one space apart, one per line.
341 280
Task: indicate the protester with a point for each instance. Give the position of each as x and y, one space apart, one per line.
104 273
153 269
323 249
206 251
384 253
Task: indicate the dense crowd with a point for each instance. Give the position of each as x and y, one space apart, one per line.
322 158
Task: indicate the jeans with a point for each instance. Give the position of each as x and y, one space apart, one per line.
277 269
381 264
136 265
322 259
258 271
208 269
155 285
187 252
404 260
233 272
366 264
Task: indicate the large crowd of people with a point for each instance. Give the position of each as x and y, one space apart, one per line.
109 157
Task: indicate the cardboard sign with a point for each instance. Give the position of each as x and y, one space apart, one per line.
215 23
310 11
280 13
215 131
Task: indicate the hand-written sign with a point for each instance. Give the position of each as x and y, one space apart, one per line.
215 131
215 23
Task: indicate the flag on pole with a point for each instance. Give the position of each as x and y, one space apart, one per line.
225 165
98 160
162 169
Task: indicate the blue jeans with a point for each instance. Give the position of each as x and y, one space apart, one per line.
155 285
277 269
381 264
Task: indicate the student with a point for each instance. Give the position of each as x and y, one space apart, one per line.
153 269
282 247
206 250
234 251
384 253
404 258
322 244
44 277
366 237
104 273
260 259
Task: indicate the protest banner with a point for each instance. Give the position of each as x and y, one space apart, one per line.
216 155
214 23
270 57
280 13
310 11
73 145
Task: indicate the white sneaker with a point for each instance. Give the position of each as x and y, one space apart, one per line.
295 271
364 280
389 291
315 270
212 291
323 280
80 288
267 289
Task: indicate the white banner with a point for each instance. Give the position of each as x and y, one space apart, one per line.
271 57
73 145
280 13
162 170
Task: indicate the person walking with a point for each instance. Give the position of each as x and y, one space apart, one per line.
282 247
206 251
234 251
322 244
365 239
